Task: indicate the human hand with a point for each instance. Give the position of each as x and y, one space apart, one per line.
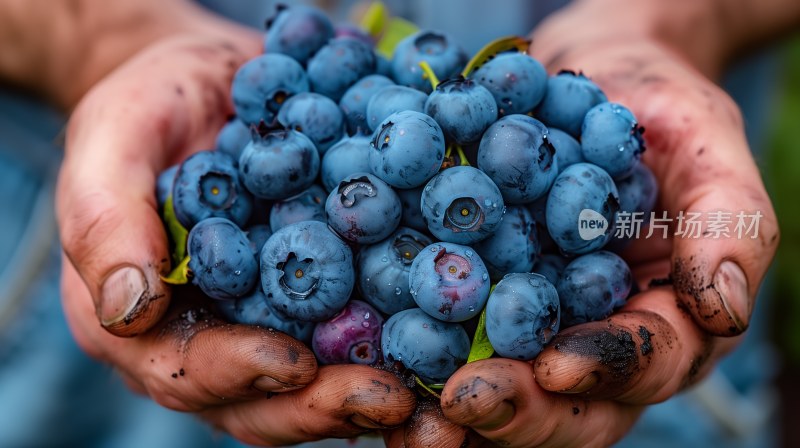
160 106
593 380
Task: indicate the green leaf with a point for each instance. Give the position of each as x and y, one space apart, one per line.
492 49
429 387
374 20
177 233
179 275
396 30
481 347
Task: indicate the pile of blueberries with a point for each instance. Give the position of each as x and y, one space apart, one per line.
380 215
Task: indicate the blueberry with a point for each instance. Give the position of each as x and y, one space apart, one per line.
611 138
517 82
164 184
350 155
338 65
445 57
581 208
363 209
315 116
514 246
353 336
306 206
463 108
522 315
592 286
307 271
566 100
257 235
233 137
407 149
353 32
355 100
297 31
412 214
255 310
568 150
462 205
383 270
638 192
391 99
449 281
551 266
516 153
221 260
279 165
263 83
431 348
207 184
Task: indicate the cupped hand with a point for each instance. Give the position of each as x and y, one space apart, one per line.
593 380
163 104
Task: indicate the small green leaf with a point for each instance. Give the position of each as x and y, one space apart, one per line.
179 275
481 347
429 387
374 20
177 233
492 49
396 30
428 71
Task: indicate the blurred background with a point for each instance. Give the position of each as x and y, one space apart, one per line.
781 171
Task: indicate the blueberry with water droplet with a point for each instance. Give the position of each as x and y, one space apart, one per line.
359 343
450 286
363 209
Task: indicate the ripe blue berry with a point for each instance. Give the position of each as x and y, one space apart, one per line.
463 108
297 31
449 281
566 100
315 116
514 246
517 82
263 83
279 165
221 260
611 138
462 205
383 270
363 209
207 184
444 56
353 336
350 155
592 286
307 271
338 65
306 206
391 99
355 100
431 348
522 315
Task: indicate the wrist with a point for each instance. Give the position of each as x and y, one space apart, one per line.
75 53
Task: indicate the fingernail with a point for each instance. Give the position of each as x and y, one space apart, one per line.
269 384
365 422
499 417
584 385
120 294
731 284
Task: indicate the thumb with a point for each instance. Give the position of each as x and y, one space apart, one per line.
167 100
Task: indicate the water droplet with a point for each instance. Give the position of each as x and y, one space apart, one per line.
428 187
487 202
366 315
434 249
424 325
398 291
471 308
237 272
485 276
365 324
385 259
468 253
620 148
367 279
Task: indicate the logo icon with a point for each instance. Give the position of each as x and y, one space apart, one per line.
591 224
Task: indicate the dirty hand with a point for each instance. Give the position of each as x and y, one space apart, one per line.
666 338
161 105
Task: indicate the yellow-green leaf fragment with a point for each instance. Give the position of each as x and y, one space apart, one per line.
179 275
177 233
375 19
492 49
481 347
